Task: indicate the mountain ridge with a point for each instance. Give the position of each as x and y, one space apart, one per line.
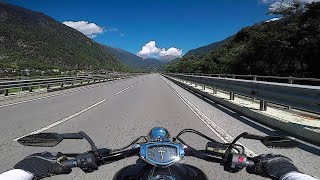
286 47
200 51
134 60
32 39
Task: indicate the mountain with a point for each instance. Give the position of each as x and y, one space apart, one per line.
287 47
133 60
201 51
34 40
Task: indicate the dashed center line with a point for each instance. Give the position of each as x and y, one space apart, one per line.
122 91
62 120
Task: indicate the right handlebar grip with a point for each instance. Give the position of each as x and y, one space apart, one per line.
250 163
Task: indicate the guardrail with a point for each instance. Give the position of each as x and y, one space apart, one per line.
301 97
289 80
5 86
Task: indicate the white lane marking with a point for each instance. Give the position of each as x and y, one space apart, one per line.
62 120
223 135
122 91
226 108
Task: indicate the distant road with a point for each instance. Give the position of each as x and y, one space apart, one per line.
115 113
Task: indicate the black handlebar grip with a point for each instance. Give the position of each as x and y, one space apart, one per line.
250 163
69 163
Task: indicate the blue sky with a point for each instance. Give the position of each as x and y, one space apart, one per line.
130 24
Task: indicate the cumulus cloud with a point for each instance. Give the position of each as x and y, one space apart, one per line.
274 19
89 29
150 50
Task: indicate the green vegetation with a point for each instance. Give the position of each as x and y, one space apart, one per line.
32 40
287 47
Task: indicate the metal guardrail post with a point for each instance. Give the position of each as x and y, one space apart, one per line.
48 86
290 80
263 105
6 92
203 87
30 89
231 95
214 90
254 79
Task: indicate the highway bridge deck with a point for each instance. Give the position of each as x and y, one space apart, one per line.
115 113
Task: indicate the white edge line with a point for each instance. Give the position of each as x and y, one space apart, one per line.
122 91
62 120
224 136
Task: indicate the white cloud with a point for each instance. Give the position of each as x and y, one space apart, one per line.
150 50
89 29
122 34
174 52
274 19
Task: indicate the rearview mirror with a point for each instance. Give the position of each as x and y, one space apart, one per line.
41 140
279 142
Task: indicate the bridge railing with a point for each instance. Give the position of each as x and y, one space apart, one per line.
303 97
5 86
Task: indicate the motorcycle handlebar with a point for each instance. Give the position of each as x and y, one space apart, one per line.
89 162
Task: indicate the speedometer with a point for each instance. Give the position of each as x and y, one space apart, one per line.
161 154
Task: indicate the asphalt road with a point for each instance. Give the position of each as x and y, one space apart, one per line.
115 113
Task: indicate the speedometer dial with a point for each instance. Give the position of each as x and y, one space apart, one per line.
162 154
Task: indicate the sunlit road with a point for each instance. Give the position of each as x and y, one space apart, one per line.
115 113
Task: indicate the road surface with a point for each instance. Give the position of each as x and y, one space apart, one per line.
115 113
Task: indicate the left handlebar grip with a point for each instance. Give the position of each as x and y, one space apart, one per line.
69 163
84 161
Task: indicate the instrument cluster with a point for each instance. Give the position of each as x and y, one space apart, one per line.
161 154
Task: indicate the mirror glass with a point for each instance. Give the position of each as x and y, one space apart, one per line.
41 140
279 142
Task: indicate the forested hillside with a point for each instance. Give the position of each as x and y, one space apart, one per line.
33 40
286 47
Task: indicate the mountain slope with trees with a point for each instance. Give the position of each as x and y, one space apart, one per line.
286 47
33 40
201 51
